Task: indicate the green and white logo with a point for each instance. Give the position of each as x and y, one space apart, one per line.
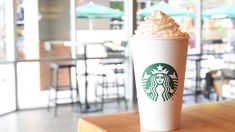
160 81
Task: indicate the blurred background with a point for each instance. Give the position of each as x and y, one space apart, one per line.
93 36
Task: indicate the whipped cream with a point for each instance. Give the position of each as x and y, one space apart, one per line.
159 25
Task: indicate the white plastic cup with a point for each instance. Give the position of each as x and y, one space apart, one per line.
159 66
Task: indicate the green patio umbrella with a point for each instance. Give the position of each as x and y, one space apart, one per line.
223 11
164 7
92 10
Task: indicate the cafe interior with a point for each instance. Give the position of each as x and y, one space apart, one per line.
63 61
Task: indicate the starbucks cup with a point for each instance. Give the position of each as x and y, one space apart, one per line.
159 66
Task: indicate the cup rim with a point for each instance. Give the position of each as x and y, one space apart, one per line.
157 38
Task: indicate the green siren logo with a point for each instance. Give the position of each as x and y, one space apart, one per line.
160 81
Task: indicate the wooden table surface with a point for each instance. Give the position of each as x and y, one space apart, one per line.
206 117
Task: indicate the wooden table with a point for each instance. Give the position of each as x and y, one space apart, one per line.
207 117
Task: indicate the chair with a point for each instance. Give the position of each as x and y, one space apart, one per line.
221 81
112 83
114 49
59 69
209 83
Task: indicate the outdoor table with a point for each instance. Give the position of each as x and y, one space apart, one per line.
206 117
88 107
197 58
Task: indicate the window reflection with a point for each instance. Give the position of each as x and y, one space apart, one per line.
2 30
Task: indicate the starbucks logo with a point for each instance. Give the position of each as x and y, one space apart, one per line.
160 81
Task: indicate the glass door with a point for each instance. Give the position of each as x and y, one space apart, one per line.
7 57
